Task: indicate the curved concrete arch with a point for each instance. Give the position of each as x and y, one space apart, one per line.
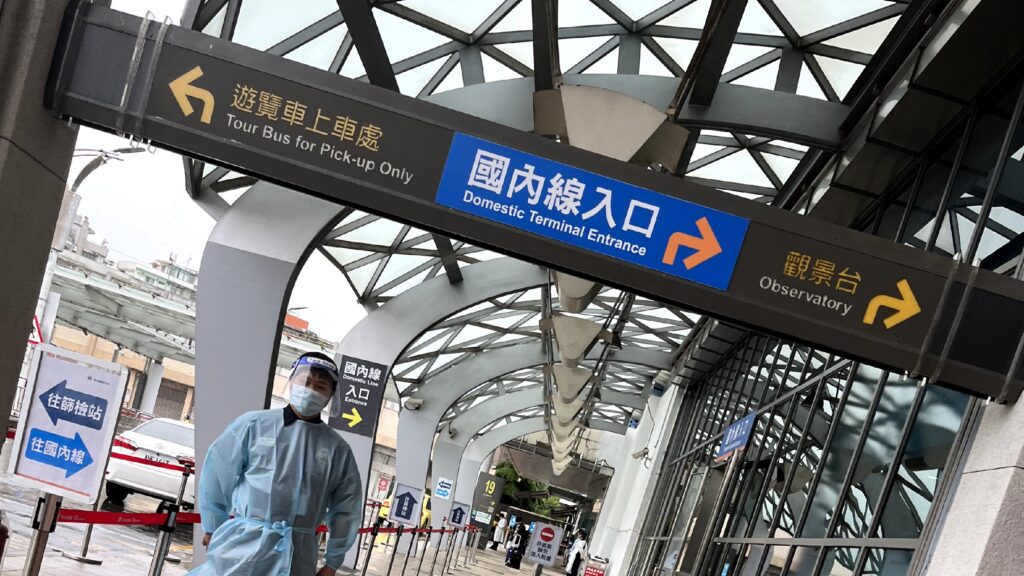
416 428
249 265
484 445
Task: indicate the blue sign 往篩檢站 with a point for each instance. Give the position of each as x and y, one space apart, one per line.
63 403
404 506
591 212
68 454
736 436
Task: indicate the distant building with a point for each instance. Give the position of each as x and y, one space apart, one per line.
171 279
78 241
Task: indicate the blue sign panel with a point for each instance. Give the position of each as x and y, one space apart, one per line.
736 436
63 403
69 454
591 211
405 506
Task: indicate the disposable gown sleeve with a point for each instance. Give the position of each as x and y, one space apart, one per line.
344 511
225 462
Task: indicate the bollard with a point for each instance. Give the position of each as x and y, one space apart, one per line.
163 541
394 549
412 545
424 553
369 551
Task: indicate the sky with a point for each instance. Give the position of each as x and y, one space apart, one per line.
140 206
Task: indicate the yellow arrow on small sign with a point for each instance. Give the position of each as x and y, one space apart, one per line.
182 88
353 418
906 306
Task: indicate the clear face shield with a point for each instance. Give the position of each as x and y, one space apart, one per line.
311 385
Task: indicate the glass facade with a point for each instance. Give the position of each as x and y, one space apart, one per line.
846 462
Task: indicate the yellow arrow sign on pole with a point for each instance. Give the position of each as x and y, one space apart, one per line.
353 418
906 306
182 89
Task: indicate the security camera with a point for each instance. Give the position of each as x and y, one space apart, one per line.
413 403
452 431
640 454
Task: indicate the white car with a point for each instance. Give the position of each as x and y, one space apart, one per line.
159 440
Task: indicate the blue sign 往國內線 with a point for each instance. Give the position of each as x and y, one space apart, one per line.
69 454
736 436
591 212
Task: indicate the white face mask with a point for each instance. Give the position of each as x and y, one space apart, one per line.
307 402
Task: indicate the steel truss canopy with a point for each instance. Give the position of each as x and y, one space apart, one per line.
672 240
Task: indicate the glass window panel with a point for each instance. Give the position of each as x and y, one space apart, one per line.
650 65
264 23
875 459
840 73
320 51
839 562
764 77
465 16
808 16
887 562
840 452
693 16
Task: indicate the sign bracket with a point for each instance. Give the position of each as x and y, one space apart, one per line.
133 70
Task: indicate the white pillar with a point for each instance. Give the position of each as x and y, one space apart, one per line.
154 377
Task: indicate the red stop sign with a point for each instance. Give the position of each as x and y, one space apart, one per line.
547 534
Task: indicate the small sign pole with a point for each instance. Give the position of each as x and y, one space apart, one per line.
44 522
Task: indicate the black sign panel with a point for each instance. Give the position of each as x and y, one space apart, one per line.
360 393
489 489
662 237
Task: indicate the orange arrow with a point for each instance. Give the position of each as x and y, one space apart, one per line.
706 246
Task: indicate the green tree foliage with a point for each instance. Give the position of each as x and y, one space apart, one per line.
515 484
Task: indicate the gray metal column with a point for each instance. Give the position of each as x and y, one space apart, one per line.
35 156
249 267
154 377
984 527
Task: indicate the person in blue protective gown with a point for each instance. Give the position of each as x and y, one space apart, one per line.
273 477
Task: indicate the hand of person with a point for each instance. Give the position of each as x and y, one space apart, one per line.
206 539
327 571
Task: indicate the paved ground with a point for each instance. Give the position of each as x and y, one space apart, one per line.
127 550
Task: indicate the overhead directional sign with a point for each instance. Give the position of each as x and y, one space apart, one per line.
524 195
360 394
65 431
459 514
736 436
405 505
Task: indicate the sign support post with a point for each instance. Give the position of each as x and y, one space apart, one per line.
44 522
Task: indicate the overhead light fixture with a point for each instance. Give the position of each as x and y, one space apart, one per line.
413 403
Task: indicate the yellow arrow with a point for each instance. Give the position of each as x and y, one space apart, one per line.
182 89
353 418
906 306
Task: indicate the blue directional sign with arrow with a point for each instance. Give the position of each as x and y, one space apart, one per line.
459 514
68 454
63 403
405 505
67 423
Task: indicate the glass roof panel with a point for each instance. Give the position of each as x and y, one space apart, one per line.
608 64
521 51
519 18
466 16
470 333
217 23
381 232
361 276
637 9
650 65
346 256
411 82
757 21
495 71
808 86
808 16
400 264
680 50
763 77
452 81
740 54
782 166
353 66
702 150
264 23
320 51
580 13
572 50
866 39
693 16
840 73
403 38
738 167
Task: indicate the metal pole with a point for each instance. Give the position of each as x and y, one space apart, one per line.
82 556
437 550
424 554
409 552
394 549
163 541
369 551
44 522
538 570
